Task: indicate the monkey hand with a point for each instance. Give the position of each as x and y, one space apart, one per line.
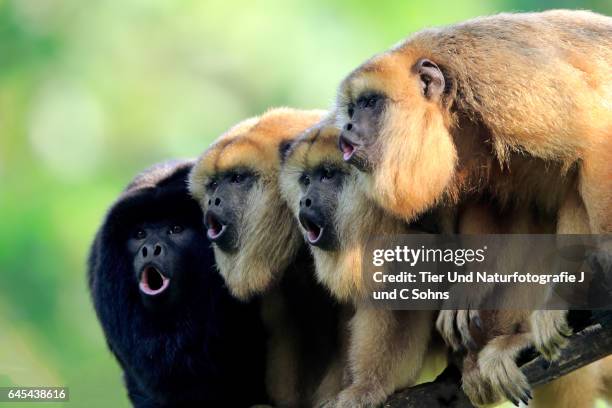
460 338
459 312
361 396
496 377
549 331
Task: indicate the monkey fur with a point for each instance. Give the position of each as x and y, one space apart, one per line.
515 105
490 372
533 138
386 349
514 108
181 343
260 253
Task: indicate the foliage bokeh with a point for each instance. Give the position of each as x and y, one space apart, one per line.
92 92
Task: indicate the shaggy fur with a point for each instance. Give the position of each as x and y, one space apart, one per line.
379 354
268 238
386 348
526 110
272 261
195 353
524 121
357 217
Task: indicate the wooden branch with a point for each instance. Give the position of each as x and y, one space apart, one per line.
590 344
444 391
586 346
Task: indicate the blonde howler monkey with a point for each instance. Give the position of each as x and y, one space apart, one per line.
437 118
260 254
386 348
458 109
515 109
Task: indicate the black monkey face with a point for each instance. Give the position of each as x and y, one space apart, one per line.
318 202
163 253
359 133
227 198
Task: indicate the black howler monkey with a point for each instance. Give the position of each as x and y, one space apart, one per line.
179 336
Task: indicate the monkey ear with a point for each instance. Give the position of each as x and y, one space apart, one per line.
283 149
432 79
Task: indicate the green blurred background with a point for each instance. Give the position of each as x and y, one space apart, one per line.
93 91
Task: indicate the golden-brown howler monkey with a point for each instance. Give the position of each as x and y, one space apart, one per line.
386 348
259 252
516 108
458 109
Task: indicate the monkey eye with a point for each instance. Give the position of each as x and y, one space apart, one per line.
372 101
328 174
237 178
368 101
305 180
140 234
213 184
176 229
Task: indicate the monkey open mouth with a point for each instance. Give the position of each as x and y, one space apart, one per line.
314 232
214 227
347 147
152 281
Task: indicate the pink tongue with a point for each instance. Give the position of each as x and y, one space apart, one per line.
347 151
312 236
214 232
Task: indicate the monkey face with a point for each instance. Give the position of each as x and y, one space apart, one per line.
163 255
235 181
358 136
393 122
318 203
311 179
227 195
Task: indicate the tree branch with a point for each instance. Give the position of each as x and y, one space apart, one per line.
589 344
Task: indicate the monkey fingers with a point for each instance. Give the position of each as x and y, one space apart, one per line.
450 322
496 375
445 324
476 388
498 385
505 377
464 319
549 330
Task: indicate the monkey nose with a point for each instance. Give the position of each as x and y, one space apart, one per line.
151 250
348 127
